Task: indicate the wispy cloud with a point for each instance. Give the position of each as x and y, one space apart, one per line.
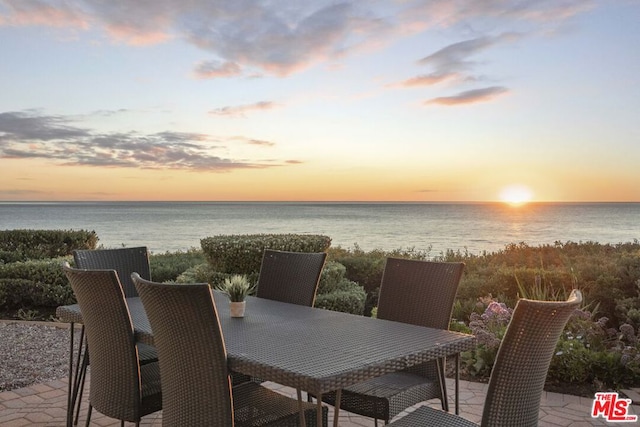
38 12
455 58
454 63
425 80
261 142
32 135
255 37
242 110
215 69
470 96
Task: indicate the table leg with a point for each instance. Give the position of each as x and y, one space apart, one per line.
71 380
303 422
336 411
457 383
319 410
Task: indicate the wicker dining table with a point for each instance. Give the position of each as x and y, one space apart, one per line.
311 349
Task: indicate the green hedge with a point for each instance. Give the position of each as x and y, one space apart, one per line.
34 283
242 253
22 245
336 292
168 266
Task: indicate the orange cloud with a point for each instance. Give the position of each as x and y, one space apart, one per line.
24 13
241 110
215 69
426 80
470 96
136 36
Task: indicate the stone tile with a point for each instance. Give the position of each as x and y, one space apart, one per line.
8 395
15 404
33 399
19 422
38 417
553 420
41 388
51 394
45 405
9 415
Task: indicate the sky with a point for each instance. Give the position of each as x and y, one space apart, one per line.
314 100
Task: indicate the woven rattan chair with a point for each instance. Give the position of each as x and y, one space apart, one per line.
121 387
193 364
520 369
124 261
291 277
420 293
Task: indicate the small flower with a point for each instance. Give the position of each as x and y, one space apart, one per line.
628 332
487 338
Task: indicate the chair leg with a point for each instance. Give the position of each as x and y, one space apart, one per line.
440 364
82 380
89 415
70 385
73 393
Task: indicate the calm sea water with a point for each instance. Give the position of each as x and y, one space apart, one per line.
433 227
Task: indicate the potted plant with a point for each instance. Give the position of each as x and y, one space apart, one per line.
236 287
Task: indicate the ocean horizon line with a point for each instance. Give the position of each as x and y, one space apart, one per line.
318 202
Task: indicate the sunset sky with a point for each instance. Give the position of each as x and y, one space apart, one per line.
313 100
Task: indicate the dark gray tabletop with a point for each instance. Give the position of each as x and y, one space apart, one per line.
312 349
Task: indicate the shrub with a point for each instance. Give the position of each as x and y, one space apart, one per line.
242 254
350 299
333 274
168 266
38 283
22 245
337 293
489 329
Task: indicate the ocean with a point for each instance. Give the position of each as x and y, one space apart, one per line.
430 227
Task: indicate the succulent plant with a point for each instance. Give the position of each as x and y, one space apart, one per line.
236 287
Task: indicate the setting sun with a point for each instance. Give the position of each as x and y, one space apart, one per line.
516 194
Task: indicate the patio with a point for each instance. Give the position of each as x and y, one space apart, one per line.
45 405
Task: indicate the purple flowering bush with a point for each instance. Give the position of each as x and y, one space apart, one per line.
589 352
489 328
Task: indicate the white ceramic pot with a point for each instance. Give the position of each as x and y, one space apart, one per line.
236 309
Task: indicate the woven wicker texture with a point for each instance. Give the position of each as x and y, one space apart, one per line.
291 277
123 260
418 293
312 349
520 369
193 363
120 387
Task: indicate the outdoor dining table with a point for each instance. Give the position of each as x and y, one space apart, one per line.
311 349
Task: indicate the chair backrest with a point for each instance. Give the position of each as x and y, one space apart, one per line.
193 360
115 379
291 277
419 292
522 362
123 260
